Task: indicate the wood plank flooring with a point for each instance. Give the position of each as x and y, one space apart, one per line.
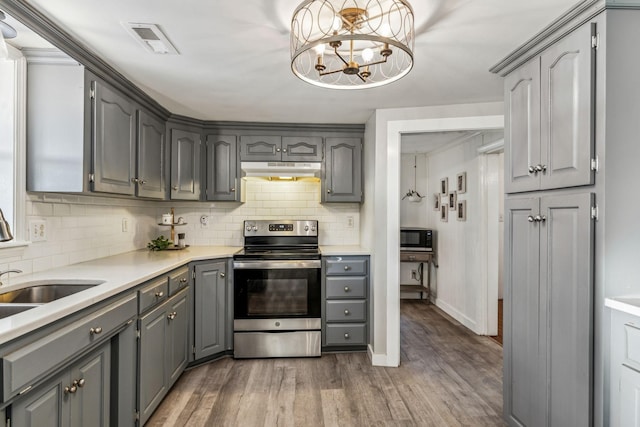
448 377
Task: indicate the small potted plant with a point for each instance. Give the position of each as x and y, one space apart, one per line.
413 196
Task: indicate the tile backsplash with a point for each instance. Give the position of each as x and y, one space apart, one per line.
80 228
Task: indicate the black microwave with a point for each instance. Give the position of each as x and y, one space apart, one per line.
417 239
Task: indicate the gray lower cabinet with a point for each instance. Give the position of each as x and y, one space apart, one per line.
548 310
221 168
345 310
624 407
549 116
113 140
150 176
185 164
79 396
342 170
163 351
212 308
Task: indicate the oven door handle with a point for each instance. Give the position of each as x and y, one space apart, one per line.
275 265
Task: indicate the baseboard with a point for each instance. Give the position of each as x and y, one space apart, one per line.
460 317
379 359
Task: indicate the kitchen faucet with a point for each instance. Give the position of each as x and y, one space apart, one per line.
9 271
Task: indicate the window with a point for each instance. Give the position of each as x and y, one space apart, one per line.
12 142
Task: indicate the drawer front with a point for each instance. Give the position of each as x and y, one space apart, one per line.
346 334
339 266
178 279
346 311
632 354
152 294
346 287
415 256
30 363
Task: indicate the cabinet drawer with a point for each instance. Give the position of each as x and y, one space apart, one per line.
346 287
178 279
346 334
152 294
339 266
24 366
406 256
346 311
632 347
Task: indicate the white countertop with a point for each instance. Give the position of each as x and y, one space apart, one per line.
628 304
344 250
119 273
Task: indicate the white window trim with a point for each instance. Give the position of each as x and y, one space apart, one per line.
19 231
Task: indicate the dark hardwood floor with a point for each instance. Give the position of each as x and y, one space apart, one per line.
448 377
499 337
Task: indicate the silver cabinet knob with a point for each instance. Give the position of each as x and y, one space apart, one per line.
530 218
95 331
142 182
175 188
233 190
183 280
159 294
71 389
346 289
134 180
347 268
346 336
284 150
172 315
80 382
329 191
277 150
532 169
346 312
223 275
541 168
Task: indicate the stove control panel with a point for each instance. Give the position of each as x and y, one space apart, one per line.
281 228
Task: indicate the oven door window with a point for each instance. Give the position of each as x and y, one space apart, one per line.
277 293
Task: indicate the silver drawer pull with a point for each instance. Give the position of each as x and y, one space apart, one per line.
346 336
346 312
347 268
159 294
183 280
95 331
346 289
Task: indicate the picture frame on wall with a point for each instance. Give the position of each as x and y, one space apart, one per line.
453 198
461 183
436 201
444 213
462 210
444 186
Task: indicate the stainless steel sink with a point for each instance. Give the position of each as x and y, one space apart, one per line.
42 292
7 310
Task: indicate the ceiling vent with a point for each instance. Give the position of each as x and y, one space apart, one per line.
151 37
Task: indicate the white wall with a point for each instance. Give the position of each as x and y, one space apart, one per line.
81 228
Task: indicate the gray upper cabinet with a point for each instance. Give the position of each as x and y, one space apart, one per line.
185 165
221 167
342 170
281 148
548 310
549 116
210 308
150 177
114 141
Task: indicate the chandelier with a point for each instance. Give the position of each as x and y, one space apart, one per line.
352 44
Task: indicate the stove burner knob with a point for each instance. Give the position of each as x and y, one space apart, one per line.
306 228
313 228
248 228
255 228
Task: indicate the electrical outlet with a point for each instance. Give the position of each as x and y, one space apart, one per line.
38 231
125 225
349 221
204 221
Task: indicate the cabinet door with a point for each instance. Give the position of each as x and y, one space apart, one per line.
89 405
629 397
343 170
46 406
210 302
114 141
222 175
302 148
566 295
522 128
178 350
523 402
185 165
260 148
152 366
151 161
567 137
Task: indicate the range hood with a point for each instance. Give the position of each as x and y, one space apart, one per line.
281 170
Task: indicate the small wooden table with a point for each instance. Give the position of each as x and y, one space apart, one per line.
421 258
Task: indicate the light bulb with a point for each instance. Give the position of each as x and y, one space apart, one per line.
367 54
319 49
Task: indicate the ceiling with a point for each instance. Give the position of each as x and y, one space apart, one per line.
234 61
